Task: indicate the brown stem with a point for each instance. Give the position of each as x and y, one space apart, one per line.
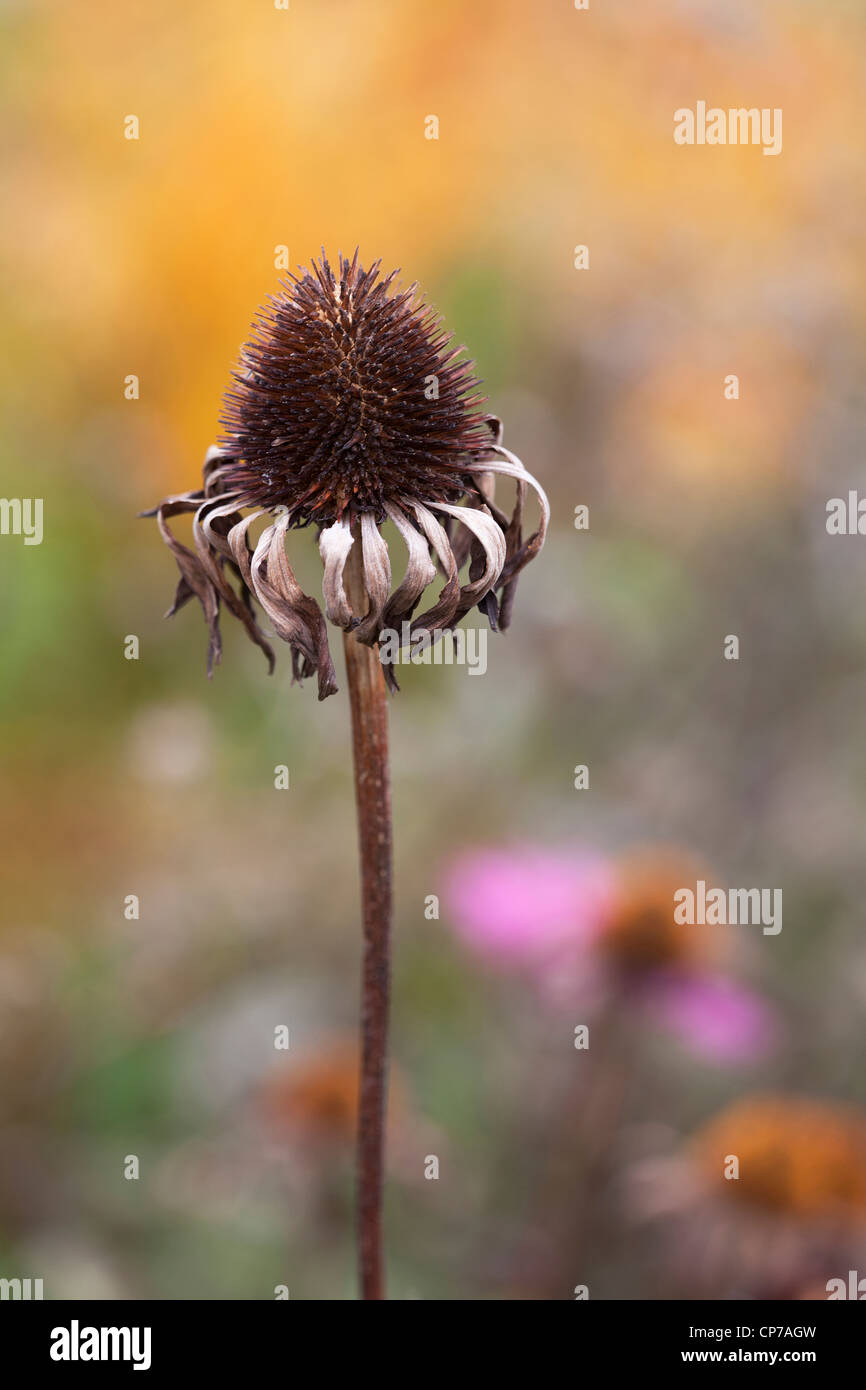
368 699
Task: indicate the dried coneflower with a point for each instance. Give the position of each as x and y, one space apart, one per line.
349 408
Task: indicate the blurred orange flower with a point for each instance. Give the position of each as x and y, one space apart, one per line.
316 1099
804 1157
640 933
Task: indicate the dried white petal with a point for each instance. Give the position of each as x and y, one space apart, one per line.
489 533
335 542
511 467
377 578
445 607
420 569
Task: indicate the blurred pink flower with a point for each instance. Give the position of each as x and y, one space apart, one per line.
553 913
715 1016
521 906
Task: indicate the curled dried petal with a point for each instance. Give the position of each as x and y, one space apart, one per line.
519 553
194 578
213 567
335 542
377 578
443 610
296 617
511 467
420 570
488 558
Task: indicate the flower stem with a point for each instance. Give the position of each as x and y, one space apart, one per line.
368 699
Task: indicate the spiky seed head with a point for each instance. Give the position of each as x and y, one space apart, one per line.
350 407
349 396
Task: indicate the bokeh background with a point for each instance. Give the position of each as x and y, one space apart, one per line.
559 1166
